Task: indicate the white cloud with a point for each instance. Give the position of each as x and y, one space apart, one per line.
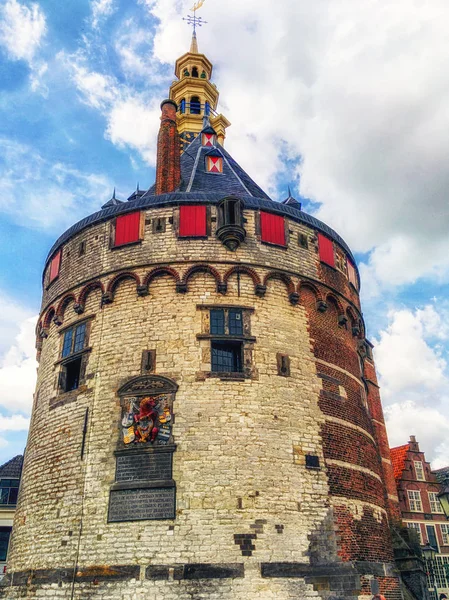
100 10
414 379
29 182
22 29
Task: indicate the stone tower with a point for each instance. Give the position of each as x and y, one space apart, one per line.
207 421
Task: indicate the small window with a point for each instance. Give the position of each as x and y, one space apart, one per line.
230 212
195 72
195 106
214 164
312 461
159 225
435 505
182 106
414 499
82 248
226 357
127 229
326 250
445 534
9 489
208 140
5 534
419 470
55 266
303 241
74 343
217 321
416 527
192 221
235 322
340 262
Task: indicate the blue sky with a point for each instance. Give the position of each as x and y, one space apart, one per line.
346 104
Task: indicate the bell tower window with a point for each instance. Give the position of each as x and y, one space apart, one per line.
195 72
195 105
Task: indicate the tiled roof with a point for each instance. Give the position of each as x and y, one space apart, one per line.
13 468
441 474
398 456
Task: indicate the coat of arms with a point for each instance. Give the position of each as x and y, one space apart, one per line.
147 420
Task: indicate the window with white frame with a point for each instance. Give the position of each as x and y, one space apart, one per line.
445 534
414 499
416 527
419 470
435 505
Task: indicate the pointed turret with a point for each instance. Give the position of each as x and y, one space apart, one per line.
196 96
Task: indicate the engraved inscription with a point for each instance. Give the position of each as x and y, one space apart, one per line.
146 466
140 505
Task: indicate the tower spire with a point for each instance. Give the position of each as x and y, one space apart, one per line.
194 44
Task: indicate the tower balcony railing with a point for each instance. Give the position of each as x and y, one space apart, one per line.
196 108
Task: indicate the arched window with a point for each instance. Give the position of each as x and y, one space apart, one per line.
195 105
182 106
195 72
207 109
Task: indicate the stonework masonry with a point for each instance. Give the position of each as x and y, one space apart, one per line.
279 465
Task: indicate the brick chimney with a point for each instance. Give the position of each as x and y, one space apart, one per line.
168 167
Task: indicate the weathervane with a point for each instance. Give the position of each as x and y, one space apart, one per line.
195 21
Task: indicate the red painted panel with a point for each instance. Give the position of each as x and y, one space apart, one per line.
192 221
272 228
352 274
127 229
55 265
326 248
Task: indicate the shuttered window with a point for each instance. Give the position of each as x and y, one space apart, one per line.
326 249
272 228
127 229
55 265
352 275
192 221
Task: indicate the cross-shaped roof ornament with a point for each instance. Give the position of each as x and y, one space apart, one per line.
195 21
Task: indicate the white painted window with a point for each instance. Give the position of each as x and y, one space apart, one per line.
435 505
419 470
416 527
445 534
414 499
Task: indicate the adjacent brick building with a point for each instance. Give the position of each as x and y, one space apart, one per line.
418 488
10 474
207 420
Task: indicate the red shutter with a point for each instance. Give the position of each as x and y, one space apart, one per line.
55 265
352 275
192 221
127 229
272 228
326 248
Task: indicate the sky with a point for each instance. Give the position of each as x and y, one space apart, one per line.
346 102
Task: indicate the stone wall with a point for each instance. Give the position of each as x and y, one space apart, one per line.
254 518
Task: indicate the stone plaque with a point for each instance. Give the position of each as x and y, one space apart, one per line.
148 466
142 504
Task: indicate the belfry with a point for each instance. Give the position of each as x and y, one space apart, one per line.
196 96
207 422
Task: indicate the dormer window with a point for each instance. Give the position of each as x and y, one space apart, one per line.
208 140
214 162
195 105
195 72
230 223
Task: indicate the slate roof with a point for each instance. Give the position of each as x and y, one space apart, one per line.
441 474
12 469
398 457
194 177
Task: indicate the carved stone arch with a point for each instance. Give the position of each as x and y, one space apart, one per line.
157 272
108 297
60 311
247 271
309 286
281 277
331 298
48 318
82 298
353 321
147 385
221 287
